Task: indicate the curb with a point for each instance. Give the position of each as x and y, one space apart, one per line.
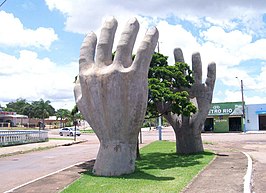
72 143
42 177
247 177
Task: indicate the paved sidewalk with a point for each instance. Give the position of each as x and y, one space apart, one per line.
225 174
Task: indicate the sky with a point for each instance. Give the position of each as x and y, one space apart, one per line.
40 43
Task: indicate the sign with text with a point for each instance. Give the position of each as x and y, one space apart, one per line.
230 108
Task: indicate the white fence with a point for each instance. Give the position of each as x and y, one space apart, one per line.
8 137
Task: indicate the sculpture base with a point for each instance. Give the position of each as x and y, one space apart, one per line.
115 159
189 141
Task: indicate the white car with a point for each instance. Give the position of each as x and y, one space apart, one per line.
69 131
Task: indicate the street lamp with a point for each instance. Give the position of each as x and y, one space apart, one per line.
160 117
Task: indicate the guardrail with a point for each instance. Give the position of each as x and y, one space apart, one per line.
17 137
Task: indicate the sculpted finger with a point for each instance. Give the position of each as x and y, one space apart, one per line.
211 75
106 40
125 45
78 99
87 51
77 91
178 54
145 51
197 68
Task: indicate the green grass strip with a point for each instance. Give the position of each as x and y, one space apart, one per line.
87 131
62 138
159 170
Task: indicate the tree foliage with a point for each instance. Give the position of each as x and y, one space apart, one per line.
166 86
19 106
36 109
42 109
75 113
62 114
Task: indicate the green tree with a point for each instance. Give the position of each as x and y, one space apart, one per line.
167 89
17 106
27 110
75 114
179 95
63 114
42 109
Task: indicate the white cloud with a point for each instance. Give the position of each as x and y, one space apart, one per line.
175 36
32 78
62 5
13 33
225 48
232 95
232 40
255 100
83 15
235 95
229 49
255 50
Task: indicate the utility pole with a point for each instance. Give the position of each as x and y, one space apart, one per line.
243 102
243 105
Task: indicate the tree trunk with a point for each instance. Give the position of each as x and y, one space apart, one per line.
188 140
115 159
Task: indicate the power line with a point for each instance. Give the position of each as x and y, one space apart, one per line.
2 3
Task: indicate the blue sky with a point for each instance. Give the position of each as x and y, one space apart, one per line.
40 41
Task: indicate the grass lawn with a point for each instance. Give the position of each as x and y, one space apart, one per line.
62 138
158 170
87 131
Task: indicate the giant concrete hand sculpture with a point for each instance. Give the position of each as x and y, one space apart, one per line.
112 95
201 94
188 129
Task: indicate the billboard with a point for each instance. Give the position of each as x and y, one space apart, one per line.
229 108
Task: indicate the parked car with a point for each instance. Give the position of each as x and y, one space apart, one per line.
69 131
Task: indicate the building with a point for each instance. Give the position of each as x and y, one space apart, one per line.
225 117
255 117
10 119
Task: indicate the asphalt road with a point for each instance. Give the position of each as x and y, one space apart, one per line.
19 169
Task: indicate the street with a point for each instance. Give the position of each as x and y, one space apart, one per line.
19 169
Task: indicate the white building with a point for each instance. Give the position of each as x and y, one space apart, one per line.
255 117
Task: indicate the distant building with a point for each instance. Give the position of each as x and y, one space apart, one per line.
225 117
255 117
52 122
10 119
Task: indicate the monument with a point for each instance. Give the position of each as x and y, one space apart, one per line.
112 94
